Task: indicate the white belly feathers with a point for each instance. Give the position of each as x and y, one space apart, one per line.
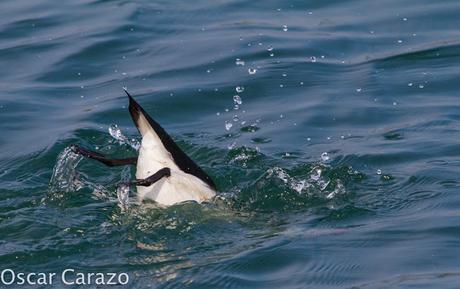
178 187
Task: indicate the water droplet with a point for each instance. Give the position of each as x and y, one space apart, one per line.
237 99
285 28
313 59
284 74
228 125
270 48
379 172
404 19
400 41
239 89
239 62
395 103
421 86
359 89
272 54
252 70
325 157
410 84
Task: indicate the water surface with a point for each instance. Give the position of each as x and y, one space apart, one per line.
338 162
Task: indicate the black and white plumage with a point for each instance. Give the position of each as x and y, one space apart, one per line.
164 173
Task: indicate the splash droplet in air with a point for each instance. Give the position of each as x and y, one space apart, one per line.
239 89
237 99
285 28
228 125
325 157
252 70
239 62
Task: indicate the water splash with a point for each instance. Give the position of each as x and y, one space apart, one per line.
313 183
64 177
116 133
123 196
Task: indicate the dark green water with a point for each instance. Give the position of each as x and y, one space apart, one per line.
373 84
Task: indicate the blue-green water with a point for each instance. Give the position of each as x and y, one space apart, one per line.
339 169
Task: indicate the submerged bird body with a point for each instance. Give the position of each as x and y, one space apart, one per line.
176 188
164 173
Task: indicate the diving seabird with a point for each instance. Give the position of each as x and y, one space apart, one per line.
164 173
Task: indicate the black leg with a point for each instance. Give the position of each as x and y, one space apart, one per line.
164 172
101 158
